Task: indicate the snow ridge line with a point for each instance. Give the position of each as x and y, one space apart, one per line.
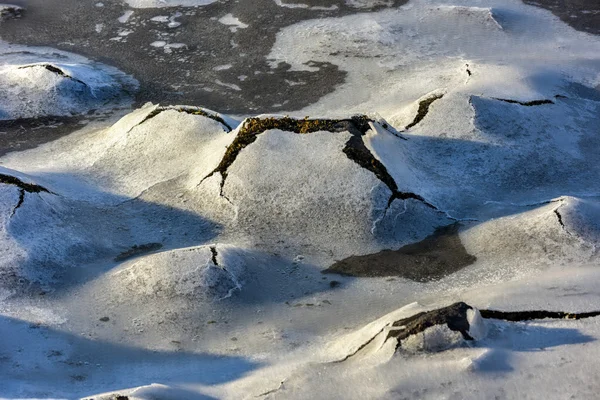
56 70
188 110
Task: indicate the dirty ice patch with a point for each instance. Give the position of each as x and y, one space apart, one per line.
233 22
38 82
167 3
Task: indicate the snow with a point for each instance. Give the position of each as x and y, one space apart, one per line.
143 272
39 82
125 17
233 22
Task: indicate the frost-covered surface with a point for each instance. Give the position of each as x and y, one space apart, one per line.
164 261
43 82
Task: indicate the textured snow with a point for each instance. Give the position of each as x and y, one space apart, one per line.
39 82
234 304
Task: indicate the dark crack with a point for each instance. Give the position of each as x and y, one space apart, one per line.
55 70
469 71
23 187
213 250
526 103
19 202
187 110
355 149
560 221
28 187
519 316
424 109
455 317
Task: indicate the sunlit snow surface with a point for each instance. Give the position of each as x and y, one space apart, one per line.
140 271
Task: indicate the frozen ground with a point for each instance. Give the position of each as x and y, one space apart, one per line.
422 155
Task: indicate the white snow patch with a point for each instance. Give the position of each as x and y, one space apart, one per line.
125 17
233 22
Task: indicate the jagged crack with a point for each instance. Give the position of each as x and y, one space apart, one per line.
456 319
213 250
424 109
23 187
54 69
560 221
526 103
519 316
355 149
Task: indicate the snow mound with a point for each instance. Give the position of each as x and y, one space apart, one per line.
200 273
314 183
169 141
36 241
412 329
553 234
54 89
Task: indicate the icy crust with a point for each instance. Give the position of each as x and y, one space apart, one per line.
40 82
202 273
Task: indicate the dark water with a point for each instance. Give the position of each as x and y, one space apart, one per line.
583 15
186 75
